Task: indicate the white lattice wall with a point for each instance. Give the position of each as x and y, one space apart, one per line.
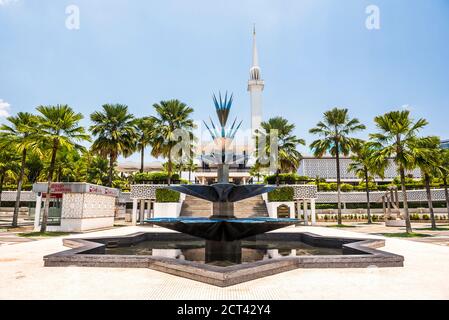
326 168
376 196
85 206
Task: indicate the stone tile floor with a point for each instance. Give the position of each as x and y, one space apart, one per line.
424 276
10 236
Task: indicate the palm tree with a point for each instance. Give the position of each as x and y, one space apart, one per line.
58 127
145 129
115 132
444 173
288 157
191 166
335 130
34 167
97 170
366 166
19 134
8 166
396 137
172 115
257 170
428 161
67 164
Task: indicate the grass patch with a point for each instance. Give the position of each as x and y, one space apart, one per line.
405 235
340 226
430 229
43 234
368 224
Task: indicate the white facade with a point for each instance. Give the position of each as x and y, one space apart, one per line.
84 206
326 168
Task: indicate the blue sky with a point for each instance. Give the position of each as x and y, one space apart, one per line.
314 55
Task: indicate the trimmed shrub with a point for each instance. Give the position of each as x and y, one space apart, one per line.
324 187
326 206
284 194
121 184
345 187
13 187
286 178
156 177
167 195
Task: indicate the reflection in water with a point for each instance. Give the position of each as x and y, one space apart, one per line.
222 253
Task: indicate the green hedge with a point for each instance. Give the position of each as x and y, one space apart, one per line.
13 187
167 195
283 194
326 206
345 187
123 185
286 178
161 177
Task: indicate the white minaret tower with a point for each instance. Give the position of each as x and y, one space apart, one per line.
255 88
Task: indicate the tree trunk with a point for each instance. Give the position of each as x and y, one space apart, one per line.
48 194
2 180
142 159
368 205
15 216
408 224
337 158
169 167
446 193
429 201
190 173
111 169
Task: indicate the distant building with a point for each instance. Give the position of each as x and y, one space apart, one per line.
445 144
326 168
128 167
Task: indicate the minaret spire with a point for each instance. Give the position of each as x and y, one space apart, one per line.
255 88
255 54
255 70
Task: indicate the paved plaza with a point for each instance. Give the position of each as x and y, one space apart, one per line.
424 276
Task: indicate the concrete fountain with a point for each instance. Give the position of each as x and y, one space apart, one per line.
223 250
222 225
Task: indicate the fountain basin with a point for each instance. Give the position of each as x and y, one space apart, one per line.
349 253
222 229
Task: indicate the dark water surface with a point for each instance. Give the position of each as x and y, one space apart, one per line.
223 253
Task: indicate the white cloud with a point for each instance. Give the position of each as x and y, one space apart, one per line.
406 107
6 2
4 106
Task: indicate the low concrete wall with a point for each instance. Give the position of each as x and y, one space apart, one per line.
167 209
85 224
272 208
420 211
376 196
8 212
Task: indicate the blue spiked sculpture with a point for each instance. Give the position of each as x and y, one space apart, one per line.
222 225
222 135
